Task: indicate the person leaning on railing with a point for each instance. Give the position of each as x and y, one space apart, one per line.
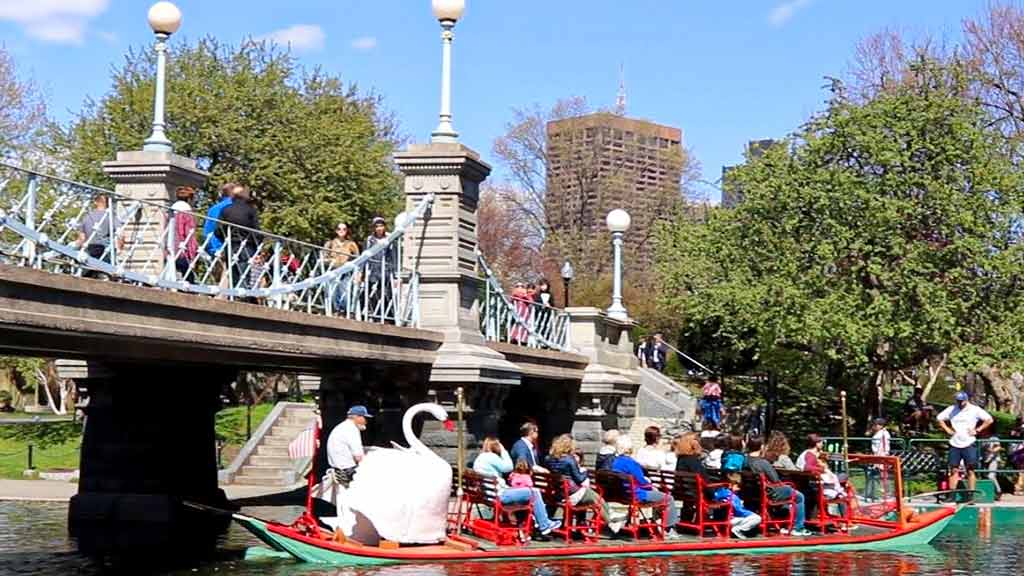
381 270
338 251
186 245
94 233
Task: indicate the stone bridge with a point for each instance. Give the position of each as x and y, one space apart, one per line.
159 356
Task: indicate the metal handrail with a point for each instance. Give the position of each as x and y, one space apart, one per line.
497 303
261 266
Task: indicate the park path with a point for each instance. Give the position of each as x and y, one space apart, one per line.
56 491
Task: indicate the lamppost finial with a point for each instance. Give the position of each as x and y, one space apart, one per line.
448 13
165 19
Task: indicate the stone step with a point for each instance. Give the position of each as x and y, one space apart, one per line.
294 421
289 432
277 440
265 470
258 460
259 480
267 450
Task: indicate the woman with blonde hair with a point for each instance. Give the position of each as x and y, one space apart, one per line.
562 460
777 452
494 461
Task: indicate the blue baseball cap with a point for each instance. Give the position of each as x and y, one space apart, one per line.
359 410
960 396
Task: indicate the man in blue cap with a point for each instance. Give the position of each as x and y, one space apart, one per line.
963 422
345 445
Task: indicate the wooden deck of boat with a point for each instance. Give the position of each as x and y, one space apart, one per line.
559 542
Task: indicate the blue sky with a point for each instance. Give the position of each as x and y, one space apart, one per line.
724 71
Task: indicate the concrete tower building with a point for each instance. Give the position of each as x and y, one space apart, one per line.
603 161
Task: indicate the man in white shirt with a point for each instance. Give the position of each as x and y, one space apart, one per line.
963 421
880 440
345 445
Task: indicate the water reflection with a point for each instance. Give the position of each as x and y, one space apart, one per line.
33 541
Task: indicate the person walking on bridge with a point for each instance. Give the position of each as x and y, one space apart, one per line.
381 271
963 421
239 227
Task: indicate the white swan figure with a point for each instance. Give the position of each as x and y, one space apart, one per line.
402 492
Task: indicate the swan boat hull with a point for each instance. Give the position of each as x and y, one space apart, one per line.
918 531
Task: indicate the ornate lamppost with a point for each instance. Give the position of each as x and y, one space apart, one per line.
448 13
618 221
567 275
164 19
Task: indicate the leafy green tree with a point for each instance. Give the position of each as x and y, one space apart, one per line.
882 233
314 150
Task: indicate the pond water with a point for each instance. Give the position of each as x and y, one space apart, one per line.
33 540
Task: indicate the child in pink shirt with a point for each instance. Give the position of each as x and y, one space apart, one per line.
521 477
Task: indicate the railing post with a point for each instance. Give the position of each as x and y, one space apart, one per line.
277 272
112 207
170 271
31 450
30 218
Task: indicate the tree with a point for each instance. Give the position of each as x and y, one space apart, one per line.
507 240
22 111
879 235
314 150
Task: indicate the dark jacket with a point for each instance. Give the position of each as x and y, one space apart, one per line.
521 451
604 460
240 213
692 463
762 466
569 468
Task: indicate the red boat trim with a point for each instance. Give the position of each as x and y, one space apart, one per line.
922 521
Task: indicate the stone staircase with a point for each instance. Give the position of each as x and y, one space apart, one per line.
264 459
662 397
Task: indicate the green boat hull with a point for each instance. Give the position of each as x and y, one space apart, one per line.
306 552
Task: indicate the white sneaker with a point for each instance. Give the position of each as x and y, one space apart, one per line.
672 535
803 532
784 531
616 525
555 525
739 533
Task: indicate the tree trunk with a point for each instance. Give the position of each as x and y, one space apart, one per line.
934 369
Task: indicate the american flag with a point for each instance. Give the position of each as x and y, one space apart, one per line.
304 445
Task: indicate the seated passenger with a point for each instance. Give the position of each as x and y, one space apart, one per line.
606 453
652 456
743 520
561 459
733 459
645 491
713 461
688 455
494 461
759 465
522 476
777 452
810 460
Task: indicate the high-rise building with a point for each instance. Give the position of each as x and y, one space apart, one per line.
731 194
603 161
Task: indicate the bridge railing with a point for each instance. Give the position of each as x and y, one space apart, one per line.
517 320
66 227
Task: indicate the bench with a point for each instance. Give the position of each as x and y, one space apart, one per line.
582 519
621 489
755 490
817 514
698 510
504 527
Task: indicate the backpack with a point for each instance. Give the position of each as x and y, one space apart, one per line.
732 462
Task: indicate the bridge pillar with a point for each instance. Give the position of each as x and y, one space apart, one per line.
441 249
152 177
149 446
611 380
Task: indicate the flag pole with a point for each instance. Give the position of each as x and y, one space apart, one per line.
846 443
461 459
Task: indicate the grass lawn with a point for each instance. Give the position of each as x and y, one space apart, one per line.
14 457
230 426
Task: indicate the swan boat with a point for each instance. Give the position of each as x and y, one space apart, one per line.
881 525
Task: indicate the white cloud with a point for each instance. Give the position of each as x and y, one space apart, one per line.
300 38
785 11
61 21
364 43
